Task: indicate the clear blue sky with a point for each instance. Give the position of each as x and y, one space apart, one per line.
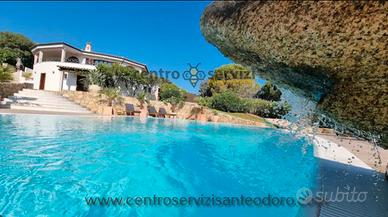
163 35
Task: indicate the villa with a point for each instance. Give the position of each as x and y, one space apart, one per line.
60 66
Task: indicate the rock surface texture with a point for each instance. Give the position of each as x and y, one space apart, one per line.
336 53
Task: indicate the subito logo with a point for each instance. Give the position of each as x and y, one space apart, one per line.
304 196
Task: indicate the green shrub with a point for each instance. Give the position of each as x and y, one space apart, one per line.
6 72
169 90
267 109
205 101
269 92
228 102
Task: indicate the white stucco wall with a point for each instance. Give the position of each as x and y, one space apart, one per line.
53 75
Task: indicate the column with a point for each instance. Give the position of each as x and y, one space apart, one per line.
35 59
40 56
63 55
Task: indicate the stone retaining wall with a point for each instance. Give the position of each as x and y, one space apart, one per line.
96 102
8 89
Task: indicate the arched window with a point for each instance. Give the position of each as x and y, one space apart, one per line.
72 59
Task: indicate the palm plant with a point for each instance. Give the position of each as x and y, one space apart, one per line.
143 98
113 96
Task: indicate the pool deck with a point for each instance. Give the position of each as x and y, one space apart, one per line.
328 150
374 156
335 178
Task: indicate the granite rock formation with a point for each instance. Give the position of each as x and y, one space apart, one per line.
335 53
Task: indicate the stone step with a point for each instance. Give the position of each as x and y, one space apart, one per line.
33 108
75 108
27 91
34 97
39 91
58 106
39 100
48 101
22 93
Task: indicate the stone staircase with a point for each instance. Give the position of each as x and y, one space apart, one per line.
43 101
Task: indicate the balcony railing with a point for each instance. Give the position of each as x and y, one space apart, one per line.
51 59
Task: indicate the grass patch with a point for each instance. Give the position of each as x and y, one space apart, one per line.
247 116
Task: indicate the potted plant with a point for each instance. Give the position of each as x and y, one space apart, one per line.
94 78
143 98
112 98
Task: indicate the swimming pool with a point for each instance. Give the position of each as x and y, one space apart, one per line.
49 164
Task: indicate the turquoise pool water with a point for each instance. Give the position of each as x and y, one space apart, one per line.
49 164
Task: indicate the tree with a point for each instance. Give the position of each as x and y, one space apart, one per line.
116 75
232 71
172 94
235 78
12 46
6 72
205 90
269 92
245 88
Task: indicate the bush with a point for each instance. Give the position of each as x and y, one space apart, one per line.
228 102
6 72
269 92
267 109
205 101
169 90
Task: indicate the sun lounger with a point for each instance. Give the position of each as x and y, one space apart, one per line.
386 173
130 109
152 111
163 113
